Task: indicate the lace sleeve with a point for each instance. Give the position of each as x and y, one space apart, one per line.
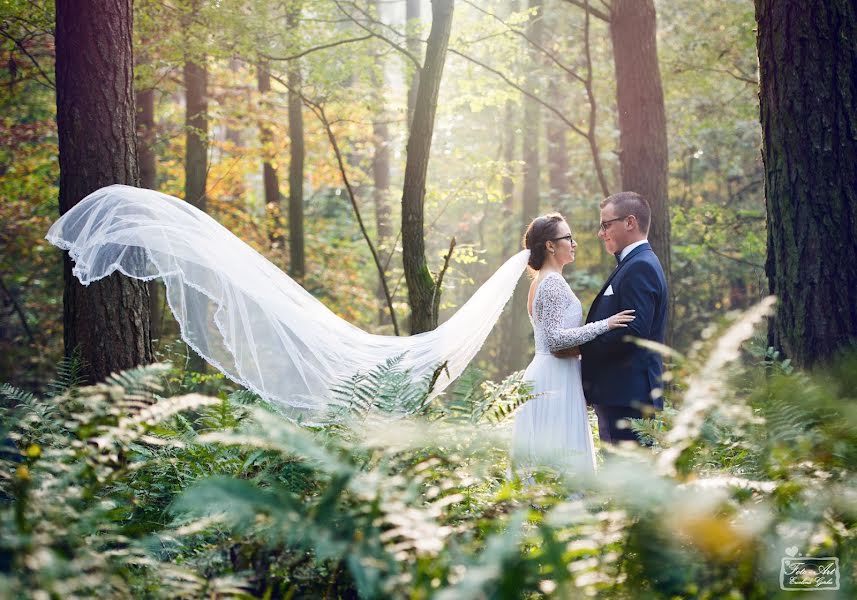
552 301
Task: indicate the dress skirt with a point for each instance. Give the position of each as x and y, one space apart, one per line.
553 428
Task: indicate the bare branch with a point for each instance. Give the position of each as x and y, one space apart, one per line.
440 275
20 44
19 310
734 258
530 41
318 111
590 10
525 92
318 48
680 67
374 33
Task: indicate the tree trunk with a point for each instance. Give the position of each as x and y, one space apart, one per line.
516 343
196 124
412 25
297 266
381 178
532 118
146 133
148 179
513 333
557 158
270 179
196 152
808 100
421 293
233 135
108 321
642 118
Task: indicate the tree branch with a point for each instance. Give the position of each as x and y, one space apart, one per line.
681 67
373 33
318 48
525 92
734 258
318 111
18 310
439 281
589 10
48 81
530 41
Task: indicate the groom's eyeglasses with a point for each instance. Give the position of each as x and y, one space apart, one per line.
565 237
605 224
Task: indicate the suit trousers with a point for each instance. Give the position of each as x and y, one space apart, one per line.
612 427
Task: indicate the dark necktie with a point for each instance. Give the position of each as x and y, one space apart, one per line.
618 256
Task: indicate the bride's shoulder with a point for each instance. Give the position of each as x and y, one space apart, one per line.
554 283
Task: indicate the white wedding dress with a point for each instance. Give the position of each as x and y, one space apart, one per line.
250 320
553 428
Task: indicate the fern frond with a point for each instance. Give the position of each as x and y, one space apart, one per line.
69 375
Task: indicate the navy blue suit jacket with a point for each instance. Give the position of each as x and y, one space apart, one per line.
619 373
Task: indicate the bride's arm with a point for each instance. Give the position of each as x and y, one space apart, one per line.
552 300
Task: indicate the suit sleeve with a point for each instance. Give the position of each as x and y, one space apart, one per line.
638 291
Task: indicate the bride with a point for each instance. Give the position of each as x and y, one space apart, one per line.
553 428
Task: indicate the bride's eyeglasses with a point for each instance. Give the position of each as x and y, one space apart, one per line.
565 237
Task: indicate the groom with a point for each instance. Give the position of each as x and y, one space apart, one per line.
620 378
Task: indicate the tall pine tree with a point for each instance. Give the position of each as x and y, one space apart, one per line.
108 321
808 101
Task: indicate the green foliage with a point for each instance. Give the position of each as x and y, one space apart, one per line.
387 387
66 483
162 482
191 495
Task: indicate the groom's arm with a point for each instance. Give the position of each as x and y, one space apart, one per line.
567 352
639 291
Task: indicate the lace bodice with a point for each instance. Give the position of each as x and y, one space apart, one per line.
557 317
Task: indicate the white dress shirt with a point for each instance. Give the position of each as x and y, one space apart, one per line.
627 249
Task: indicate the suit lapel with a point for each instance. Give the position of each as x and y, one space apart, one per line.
618 268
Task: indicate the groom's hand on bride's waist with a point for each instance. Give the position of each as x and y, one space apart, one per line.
568 352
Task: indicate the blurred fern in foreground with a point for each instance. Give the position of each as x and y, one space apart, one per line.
114 490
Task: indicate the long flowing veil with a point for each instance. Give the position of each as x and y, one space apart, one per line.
245 316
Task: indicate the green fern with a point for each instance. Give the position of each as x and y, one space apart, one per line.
475 401
69 375
387 388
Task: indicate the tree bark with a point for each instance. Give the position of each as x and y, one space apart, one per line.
557 158
421 285
412 24
643 153
808 108
513 334
517 339
148 179
146 133
532 117
381 178
196 124
270 178
297 266
233 134
108 321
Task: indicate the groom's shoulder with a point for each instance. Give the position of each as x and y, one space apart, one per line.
645 262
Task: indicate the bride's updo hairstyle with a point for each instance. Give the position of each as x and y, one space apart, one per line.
540 230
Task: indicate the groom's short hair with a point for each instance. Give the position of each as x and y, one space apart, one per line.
631 203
